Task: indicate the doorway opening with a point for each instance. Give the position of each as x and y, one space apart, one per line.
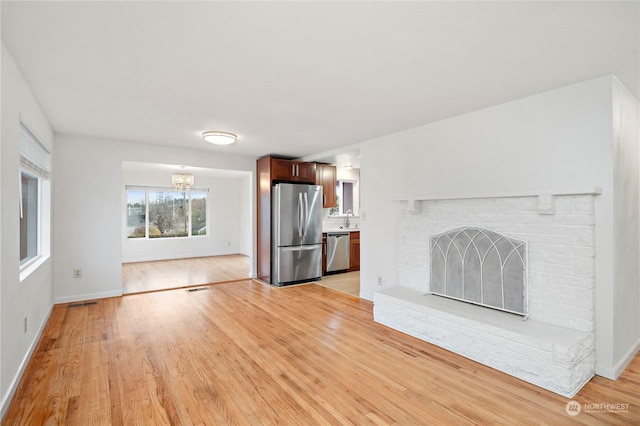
213 242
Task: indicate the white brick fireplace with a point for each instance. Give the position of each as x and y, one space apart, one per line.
554 348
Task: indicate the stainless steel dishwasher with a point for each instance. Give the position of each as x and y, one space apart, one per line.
337 251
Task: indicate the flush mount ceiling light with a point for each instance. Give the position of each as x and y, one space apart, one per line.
219 138
182 181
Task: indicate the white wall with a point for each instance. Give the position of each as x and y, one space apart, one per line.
88 208
626 268
247 223
558 140
2 393
227 208
33 297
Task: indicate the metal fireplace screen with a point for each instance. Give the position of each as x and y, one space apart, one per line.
482 267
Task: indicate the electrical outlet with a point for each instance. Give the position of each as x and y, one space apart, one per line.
77 273
25 324
380 280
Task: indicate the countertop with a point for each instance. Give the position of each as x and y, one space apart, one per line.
325 230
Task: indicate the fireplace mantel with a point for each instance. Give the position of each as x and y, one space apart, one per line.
546 203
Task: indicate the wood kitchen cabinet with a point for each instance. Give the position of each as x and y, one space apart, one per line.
292 171
354 251
326 176
263 240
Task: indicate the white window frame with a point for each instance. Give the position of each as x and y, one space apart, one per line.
36 165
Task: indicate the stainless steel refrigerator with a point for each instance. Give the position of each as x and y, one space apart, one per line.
296 233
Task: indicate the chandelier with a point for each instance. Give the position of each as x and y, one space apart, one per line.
182 181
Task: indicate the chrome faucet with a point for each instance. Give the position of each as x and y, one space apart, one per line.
347 222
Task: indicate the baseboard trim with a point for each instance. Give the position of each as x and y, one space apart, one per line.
172 256
612 373
89 296
13 387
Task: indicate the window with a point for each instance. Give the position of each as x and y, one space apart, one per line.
166 213
136 214
29 218
35 163
345 194
198 213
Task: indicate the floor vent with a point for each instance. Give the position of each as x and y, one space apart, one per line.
77 305
191 290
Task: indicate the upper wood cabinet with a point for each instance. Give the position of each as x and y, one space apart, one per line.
306 172
326 176
292 171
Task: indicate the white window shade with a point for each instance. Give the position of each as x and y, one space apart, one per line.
34 158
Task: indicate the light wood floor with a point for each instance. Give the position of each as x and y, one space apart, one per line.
141 277
246 353
348 282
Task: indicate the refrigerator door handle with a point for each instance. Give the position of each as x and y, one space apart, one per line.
299 248
300 215
306 214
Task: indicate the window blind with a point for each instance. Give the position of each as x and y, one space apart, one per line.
34 158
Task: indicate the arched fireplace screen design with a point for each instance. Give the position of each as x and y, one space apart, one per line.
482 267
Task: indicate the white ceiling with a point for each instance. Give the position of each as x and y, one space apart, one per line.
302 78
169 169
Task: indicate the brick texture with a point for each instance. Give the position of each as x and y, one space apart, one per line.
561 249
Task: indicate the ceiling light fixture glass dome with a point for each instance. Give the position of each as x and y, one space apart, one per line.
219 138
